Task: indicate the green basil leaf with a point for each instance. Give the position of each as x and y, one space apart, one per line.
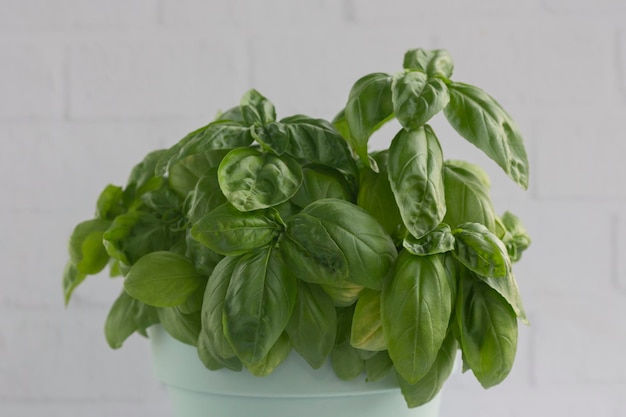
488 330
369 107
203 258
277 355
425 389
367 249
508 289
319 183
110 203
481 251
213 310
184 175
416 307
259 301
142 176
313 324
213 362
255 108
252 180
221 134
183 327
378 366
144 317
483 122
367 327
72 278
436 62
516 238
439 240
416 175
233 114
467 196
163 202
343 293
375 197
120 324
417 98
229 231
162 279
87 252
206 197
345 359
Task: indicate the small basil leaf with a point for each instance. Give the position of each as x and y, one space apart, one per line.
416 307
162 279
229 231
343 293
369 107
72 278
87 252
110 203
184 175
277 355
417 98
467 196
252 180
319 183
233 114
437 62
378 366
142 176
367 328
430 384
483 122
516 238
214 362
488 330
258 304
144 317
206 197
119 324
222 134
439 240
481 251
203 258
181 326
313 324
255 108
345 359
416 175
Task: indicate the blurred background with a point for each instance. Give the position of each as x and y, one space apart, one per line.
87 87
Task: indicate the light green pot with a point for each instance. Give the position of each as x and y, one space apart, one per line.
293 390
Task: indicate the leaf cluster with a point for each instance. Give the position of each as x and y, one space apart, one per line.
252 237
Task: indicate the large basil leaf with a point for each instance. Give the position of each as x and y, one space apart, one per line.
213 362
120 323
145 316
375 197
259 301
367 328
313 324
345 359
343 293
482 121
256 109
416 175
467 196
481 251
439 240
110 203
436 62
233 114
162 279
508 289
206 197
417 97
184 327
203 258
378 366
253 180
319 183
488 331
277 355
213 310
184 175
369 107
416 307
221 134
229 231
72 278
367 249
430 384
87 252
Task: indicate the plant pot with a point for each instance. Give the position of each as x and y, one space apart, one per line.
294 389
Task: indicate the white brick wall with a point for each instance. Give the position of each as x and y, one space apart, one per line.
88 87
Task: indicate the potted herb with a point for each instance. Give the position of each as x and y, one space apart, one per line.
252 238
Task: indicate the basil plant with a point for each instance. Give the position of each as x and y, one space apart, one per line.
252 237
